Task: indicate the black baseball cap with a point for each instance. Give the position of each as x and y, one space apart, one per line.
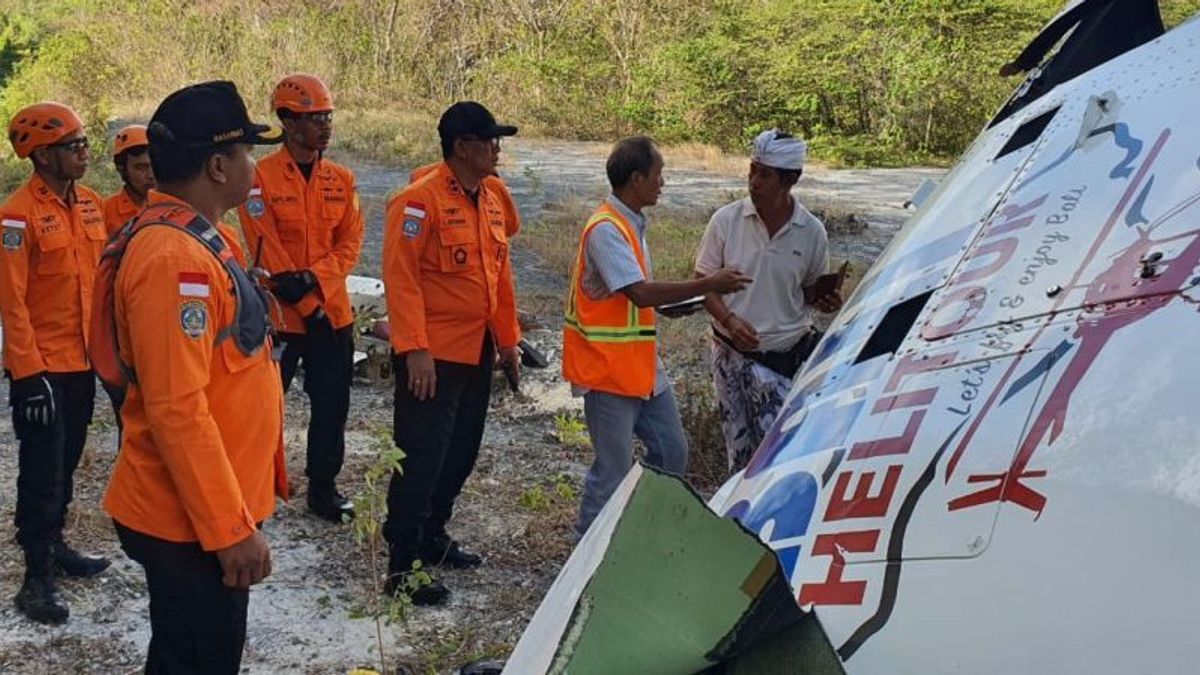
468 118
207 115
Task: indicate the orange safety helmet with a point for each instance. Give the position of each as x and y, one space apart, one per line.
302 93
130 137
41 124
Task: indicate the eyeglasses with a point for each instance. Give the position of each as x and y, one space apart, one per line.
76 145
318 117
494 142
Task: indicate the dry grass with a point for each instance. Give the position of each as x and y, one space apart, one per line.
684 345
388 135
839 220
672 238
705 157
446 649
554 238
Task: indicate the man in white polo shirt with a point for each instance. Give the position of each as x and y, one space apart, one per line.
763 333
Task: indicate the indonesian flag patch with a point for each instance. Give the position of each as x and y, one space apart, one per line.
193 284
415 209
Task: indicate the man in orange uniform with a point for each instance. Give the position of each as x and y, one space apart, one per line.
131 155
303 216
53 231
201 460
451 305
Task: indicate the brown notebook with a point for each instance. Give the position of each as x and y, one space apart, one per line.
828 284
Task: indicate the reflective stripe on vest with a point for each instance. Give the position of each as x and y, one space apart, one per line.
632 331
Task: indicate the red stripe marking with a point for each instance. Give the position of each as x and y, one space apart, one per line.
193 278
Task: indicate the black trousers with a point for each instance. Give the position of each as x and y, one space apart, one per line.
328 369
197 624
47 457
441 438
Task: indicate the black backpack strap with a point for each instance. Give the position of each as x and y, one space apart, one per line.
251 324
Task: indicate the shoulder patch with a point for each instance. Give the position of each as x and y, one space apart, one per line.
412 228
193 318
12 239
14 222
254 205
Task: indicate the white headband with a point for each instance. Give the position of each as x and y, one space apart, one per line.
781 153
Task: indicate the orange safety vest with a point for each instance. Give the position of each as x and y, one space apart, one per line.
609 344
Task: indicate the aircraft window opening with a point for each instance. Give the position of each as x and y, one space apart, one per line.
893 328
1028 132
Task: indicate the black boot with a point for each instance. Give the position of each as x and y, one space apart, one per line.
425 595
38 598
327 503
402 579
72 563
445 552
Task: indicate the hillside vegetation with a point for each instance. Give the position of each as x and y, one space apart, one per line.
870 81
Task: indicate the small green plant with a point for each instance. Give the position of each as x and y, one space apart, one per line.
565 488
571 431
534 499
370 512
557 491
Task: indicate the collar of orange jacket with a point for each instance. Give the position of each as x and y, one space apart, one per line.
42 191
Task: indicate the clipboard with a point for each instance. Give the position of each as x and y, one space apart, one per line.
675 310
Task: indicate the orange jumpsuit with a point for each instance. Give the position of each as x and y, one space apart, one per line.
202 454
118 209
50 253
299 224
446 269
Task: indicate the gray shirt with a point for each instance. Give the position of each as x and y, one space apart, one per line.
610 264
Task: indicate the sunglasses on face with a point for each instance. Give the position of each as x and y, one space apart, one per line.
76 145
493 142
318 117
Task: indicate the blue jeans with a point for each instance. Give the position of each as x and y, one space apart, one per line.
612 422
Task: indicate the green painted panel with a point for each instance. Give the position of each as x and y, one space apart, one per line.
675 580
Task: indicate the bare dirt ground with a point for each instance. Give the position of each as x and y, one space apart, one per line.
516 509
301 621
